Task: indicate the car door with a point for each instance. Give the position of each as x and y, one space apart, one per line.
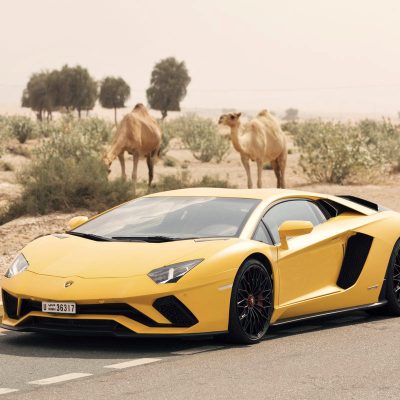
309 268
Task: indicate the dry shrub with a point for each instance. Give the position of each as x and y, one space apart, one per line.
339 153
199 135
67 173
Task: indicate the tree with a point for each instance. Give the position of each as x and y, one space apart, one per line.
291 114
168 84
113 94
77 90
37 96
70 88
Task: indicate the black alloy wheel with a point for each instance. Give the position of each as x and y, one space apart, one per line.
396 277
251 303
392 288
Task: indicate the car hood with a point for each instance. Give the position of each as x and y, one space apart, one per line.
67 255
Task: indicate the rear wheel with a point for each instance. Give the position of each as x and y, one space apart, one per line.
251 303
392 283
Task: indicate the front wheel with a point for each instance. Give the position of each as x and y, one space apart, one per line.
251 303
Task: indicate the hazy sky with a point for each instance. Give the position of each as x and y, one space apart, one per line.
316 55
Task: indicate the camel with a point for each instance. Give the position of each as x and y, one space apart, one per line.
140 135
262 140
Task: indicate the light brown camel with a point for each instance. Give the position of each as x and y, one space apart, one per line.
261 140
139 134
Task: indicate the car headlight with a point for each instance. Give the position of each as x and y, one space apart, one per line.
19 265
172 273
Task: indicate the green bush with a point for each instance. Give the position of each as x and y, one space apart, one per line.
336 152
45 128
95 127
169 131
4 133
199 135
182 180
291 127
383 140
22 128
67 173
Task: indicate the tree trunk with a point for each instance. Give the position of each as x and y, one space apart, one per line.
79 113
39 115
164 114
115 116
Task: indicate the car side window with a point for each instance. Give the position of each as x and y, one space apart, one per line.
261 234
297 210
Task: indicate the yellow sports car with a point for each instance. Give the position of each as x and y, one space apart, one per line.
207 261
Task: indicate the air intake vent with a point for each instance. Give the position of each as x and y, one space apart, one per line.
356 254
75 326
175 311
125 310
10 305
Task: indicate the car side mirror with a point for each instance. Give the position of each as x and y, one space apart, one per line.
76 221
293 228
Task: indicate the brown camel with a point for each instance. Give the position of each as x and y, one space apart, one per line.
138 134
262 140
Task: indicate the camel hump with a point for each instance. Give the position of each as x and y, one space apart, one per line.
140 108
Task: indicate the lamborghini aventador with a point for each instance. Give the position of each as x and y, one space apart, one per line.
207 261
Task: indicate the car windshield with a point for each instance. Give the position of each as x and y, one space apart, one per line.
171 218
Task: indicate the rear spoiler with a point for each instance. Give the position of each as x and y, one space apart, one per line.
363 202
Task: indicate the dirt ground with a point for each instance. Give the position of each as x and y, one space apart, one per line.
17 233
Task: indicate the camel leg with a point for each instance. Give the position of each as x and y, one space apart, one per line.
259 173
150 166
281 161
246 165
122 162
275 167
134 171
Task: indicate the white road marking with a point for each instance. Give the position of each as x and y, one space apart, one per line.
6 390
133 363
60 378
2 331
196 350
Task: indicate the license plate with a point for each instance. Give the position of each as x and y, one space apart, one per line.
59 308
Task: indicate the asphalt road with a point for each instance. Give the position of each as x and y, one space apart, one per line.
349 357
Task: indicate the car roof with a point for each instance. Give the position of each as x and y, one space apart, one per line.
261 194
268 195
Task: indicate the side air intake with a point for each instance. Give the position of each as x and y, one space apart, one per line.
357 250
10 305
175 311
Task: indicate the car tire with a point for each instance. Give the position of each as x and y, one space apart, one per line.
392 289
251 303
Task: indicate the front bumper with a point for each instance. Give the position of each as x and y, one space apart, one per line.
107 306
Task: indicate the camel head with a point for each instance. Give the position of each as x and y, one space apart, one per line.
107 162
230 119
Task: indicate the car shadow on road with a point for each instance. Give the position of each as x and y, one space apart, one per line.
38 345
326 323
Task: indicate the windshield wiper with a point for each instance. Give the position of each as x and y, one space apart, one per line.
90 236
150 239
